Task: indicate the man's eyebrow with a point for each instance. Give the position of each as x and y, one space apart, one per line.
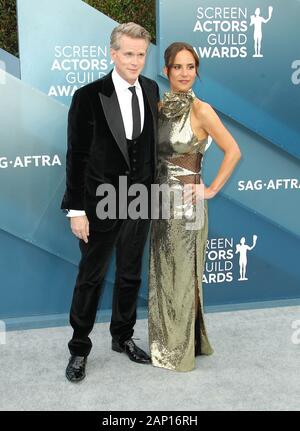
131 52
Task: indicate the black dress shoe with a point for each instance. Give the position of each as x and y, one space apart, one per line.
132 351
75 371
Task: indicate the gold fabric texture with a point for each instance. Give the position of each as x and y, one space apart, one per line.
177 254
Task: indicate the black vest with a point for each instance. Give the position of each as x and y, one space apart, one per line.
141 152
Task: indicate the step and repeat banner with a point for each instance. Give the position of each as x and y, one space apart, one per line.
249 72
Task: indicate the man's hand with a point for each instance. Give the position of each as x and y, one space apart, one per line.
80 227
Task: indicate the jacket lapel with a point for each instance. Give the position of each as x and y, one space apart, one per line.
112 112
150 96
152 100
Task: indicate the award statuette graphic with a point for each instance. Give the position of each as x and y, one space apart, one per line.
257 21
242 249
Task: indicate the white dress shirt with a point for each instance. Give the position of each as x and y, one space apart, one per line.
124 96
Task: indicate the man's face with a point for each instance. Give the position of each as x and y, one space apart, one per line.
130 58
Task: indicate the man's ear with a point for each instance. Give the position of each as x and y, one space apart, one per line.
112 54
165 71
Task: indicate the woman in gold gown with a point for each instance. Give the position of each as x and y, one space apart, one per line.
177 247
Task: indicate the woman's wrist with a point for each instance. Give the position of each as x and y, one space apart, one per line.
212 191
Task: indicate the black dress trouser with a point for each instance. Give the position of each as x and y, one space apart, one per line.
130 237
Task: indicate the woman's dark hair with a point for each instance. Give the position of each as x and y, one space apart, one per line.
172 51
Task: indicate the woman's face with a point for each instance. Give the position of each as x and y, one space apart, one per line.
182 72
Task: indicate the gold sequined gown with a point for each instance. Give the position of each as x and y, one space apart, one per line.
177 254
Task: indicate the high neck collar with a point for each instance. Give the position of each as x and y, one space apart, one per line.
175 104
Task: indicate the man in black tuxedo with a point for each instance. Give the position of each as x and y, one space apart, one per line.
112 133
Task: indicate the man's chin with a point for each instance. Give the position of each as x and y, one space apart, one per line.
132 77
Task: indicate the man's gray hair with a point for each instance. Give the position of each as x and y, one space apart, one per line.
130 29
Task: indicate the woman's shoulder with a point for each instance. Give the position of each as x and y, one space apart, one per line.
201 108
203 111
160 105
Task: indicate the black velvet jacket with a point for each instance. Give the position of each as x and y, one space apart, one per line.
97 147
